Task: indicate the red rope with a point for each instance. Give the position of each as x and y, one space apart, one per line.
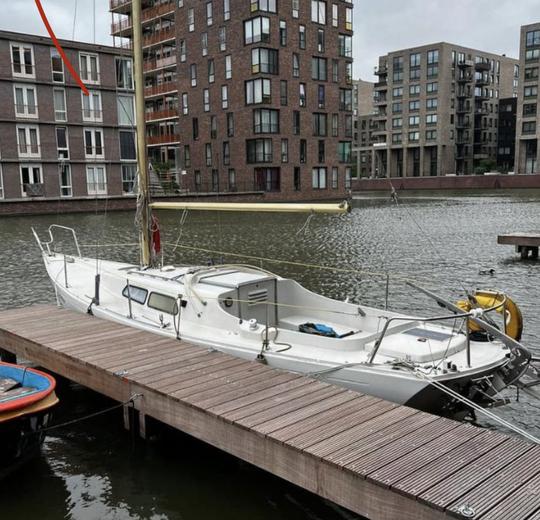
65 59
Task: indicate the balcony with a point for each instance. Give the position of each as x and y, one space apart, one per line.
156 140
124 27
380 71
160 63
483 96
380 101
463 124
170 87
482 66
461 94
464 64
159 37
161 115
464 79
463 109
481 111
482 82
380 84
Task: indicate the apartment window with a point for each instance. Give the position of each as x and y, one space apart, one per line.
283 33
230 124
397 122
334 15
348 177
198 180
344 151
397 138
335 125
267 179
296 179
265 121
215 180
124 73
345 45
529 127
532 38
284 150
433 57
226 10
345 99
57 66
530 91
222 37
414 106
318 11
62 143
432 71
213 127
183 50
318 69
185 106
431 119
414 90
321 151
302 100
414 120
96 180
302 36
266 61
303 151
208 154
22 60
211 71
414 136
129 178
397 76
295 65
532 54
228 67
224 97
432 103
348 18
397 107
268 6
204 43
321 96
415 59
64 177
318 178
126 110
28 141
335 71
26 102
397 92
283 92
531 74
89 68
335 175
296 122
232 179
93 143
31 180
258 91
529 110
431 135
193 74
92 106
206 100
432 87
226 153
187 156
295 8
127 146
257 30
191 19
320 124
320 40
209 14
259 151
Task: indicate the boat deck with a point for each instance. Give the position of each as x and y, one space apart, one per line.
376 458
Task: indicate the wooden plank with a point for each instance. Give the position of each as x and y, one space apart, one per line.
422 479
520 239
471 472
492 491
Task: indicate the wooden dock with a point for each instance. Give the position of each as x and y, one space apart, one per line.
376 458
526 244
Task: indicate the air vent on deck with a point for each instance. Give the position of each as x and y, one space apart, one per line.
258 296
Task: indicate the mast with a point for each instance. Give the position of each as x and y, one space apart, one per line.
143 207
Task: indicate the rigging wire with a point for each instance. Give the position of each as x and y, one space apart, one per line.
74 21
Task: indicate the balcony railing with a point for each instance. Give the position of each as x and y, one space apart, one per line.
163 139
159 90
156 115
483 66
160 63
160 36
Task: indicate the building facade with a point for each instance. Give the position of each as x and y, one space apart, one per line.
250 94
528 110
56 142
507 135
438 110
364 125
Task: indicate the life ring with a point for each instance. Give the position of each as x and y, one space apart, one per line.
486 300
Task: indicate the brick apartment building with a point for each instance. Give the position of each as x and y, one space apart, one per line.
56 143
248 94
528 109
364 124
437 109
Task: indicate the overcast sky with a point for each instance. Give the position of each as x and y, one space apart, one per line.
380 25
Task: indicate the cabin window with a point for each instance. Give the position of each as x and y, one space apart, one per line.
163 303
137 294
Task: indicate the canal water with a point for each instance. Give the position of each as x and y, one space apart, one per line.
96 470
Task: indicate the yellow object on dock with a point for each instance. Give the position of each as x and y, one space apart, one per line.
270 207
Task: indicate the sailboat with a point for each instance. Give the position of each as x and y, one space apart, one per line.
428 363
